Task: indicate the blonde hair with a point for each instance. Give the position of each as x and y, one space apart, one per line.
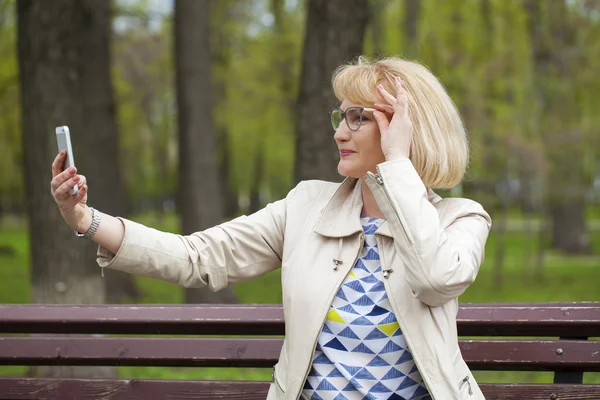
439 149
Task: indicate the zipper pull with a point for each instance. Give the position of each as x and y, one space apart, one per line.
466 380
387 271
378 179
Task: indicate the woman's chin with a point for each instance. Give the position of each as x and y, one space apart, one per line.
347 171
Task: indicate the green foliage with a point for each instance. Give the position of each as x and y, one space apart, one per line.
11 173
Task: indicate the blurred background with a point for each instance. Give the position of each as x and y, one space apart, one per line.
187 113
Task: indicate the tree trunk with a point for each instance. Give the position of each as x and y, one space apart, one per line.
564 145
63 49
334 35
412 9
200 199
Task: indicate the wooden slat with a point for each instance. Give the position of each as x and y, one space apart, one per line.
482 319
220 352
101 351
92 389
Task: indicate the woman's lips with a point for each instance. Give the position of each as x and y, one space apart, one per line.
346 153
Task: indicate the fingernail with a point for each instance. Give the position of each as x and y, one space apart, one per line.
380 86
62 153
72 170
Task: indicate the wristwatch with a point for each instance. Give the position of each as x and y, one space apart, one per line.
93 228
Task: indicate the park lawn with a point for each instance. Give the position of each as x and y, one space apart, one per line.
565 279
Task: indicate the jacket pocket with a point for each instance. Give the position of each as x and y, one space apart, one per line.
279 389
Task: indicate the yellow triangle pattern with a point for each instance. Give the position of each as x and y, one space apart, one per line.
389 329
333 315
352 274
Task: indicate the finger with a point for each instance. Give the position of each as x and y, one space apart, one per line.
386 108
61 178
62 192
402 96
386 95
82 180
382 120
58 163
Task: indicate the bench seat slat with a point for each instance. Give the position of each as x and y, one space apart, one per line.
88 389
474 319
220 352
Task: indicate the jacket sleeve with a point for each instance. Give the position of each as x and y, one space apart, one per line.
244 248
441 258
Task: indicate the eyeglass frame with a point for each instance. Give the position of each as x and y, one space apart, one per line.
360 110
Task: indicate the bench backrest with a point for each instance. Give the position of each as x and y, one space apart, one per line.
564 348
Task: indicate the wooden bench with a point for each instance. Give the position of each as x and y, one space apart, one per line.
565 348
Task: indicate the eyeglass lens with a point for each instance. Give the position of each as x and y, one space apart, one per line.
353 118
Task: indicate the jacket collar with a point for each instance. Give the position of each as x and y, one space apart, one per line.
341 215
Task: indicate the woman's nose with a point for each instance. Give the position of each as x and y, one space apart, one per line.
342 133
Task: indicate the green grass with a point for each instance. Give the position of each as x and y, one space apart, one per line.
565 279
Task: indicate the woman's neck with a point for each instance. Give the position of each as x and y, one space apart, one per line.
370 206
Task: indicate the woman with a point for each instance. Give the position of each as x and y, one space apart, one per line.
371 268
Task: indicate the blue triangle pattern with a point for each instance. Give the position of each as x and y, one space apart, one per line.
315 396
391 318
326 329
348 333
378 362
378 287
364 374
362 348
371 255
349 309
369 279
406 383
326 385
370 229
352 370
390 347
361 321
364 301
335 373
340 397
341 295
322 359
376 334
378 311
360 265
355 285
379 388
421 391
393 373
406 356
335 344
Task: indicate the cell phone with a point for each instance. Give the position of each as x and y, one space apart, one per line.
63 139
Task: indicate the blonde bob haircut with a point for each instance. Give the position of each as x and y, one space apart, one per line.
439 149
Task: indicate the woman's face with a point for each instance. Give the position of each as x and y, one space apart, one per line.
360 150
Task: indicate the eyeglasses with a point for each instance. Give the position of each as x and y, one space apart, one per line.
352 115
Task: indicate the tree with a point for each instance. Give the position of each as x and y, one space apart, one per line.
554 30
200 199
64 59
334 35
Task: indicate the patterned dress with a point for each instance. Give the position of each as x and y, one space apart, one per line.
361 352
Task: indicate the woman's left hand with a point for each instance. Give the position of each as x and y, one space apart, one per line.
396 134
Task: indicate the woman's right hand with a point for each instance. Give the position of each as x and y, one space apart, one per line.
72 208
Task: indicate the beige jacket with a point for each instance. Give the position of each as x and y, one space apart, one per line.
430 248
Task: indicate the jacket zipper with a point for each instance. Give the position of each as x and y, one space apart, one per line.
276 381
379 181
362 243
